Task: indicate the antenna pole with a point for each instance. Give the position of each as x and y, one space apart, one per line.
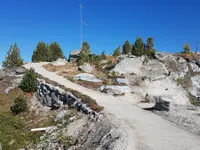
197 46
81 25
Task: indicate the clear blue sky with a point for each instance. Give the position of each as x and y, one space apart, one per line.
110 22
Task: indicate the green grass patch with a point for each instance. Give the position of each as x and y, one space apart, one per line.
13 133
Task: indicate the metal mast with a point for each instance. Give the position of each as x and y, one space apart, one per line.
197 46
81 21
81 24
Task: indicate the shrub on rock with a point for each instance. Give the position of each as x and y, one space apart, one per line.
20 105
29 81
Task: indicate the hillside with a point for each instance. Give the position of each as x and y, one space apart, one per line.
123 102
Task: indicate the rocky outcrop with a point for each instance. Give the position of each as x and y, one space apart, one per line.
103 133
122 81
74 55
20 71
87 77
186 117
195 67
86 133
115 90
124 67
195 90
55 97
161 105
59 62
86 68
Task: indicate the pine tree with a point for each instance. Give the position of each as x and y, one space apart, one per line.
127 48
117 52
186 48
41 53
13 58
86 47
103 55
150 43
150 51
29 81
55 51
138 47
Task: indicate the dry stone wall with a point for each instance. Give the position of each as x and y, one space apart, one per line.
55 97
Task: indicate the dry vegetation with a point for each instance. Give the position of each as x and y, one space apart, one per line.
101 71
68 70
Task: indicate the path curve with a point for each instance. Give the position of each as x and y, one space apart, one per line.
145 129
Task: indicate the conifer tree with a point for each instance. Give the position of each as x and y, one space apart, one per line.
138 47
41 53
55 51
13 58
117 52
86 47
127 48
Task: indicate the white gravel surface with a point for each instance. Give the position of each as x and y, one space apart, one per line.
144 129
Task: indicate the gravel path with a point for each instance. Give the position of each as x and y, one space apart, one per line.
144 129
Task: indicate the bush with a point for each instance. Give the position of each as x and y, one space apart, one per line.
20 105
29 82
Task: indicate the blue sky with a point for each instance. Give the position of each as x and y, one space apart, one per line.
110 22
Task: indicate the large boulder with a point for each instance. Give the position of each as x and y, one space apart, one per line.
74 55
161 104
20 71
156 103
87 77
128 66
122 81
115 90
195 90
86 68
59 62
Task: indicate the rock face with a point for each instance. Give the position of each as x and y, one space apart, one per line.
87 77
86 68
74 55
115 90
195 90
195 68
88 133
55 97
103 133
140 66
156 76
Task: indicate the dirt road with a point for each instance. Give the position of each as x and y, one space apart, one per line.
144 129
